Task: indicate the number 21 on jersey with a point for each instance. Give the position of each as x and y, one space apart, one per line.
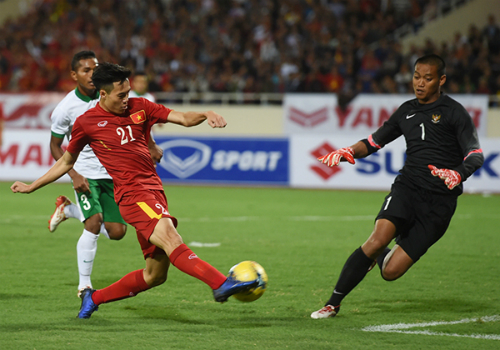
123 134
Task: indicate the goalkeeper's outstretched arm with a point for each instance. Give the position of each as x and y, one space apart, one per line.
358 150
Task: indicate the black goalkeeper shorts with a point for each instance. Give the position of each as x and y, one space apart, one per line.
421 217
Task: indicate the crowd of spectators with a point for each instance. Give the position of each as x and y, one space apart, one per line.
343 46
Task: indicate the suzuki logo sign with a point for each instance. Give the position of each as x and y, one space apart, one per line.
196 156
321 169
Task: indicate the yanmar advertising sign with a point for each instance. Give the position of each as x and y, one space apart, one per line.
321 113
225 161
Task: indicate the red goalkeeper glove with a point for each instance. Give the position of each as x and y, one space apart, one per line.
451 177
335 157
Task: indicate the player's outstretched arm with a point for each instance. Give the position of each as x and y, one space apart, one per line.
80 183
358 150
188 119
61 167
451 177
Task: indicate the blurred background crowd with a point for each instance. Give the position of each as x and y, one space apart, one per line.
343 46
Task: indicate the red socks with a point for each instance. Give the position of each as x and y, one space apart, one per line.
188 262
133 283
129 286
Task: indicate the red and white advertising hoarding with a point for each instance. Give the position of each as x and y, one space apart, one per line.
25 155
376 172
29 111
321 114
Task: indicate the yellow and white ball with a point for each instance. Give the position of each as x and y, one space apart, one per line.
248 271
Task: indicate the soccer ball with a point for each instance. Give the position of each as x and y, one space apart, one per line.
248 271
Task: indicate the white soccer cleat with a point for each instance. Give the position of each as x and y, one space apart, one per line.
325 312
58 215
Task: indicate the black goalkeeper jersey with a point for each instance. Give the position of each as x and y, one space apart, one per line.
440 133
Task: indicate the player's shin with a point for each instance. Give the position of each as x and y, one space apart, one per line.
355 269
86 250
188 262
128 286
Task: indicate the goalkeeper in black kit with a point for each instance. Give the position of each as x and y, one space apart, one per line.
442 150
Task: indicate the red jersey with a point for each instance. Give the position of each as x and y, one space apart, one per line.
120 143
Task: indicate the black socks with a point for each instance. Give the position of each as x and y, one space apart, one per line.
355 269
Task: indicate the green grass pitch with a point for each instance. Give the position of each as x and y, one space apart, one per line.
301 237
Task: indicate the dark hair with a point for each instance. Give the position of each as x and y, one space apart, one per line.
141 74
434 60
105 74
82 55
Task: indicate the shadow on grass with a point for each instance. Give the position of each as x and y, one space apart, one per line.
13 296
208 316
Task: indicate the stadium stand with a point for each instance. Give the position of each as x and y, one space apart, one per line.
257 46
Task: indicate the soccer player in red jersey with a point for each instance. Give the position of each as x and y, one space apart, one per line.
117 129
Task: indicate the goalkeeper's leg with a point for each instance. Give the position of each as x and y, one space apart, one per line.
395 263
358 264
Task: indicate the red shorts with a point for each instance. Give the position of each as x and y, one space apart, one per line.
143 210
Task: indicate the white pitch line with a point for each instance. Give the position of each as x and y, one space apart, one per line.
403 328
206 245
475 336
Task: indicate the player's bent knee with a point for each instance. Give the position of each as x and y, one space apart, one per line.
155 279
117 232
165 236
93 224
389 271
158 280
173 235
395 264
390 275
